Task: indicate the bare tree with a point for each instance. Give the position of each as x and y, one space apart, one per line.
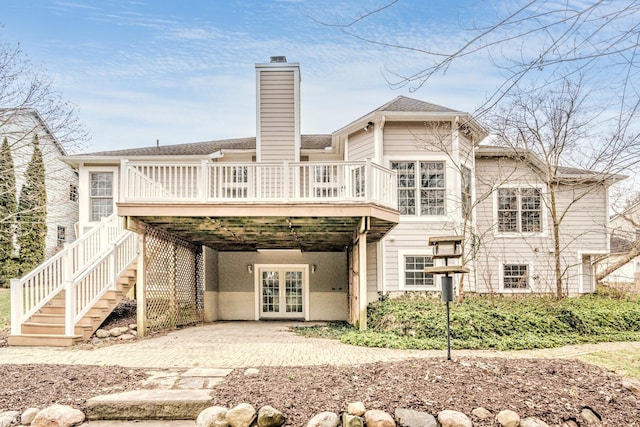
31 108
553 124
23 86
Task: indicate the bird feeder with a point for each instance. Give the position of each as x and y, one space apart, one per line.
447 248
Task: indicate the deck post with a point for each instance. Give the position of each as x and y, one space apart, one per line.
69 307
141 302
362 272
203 182
17 303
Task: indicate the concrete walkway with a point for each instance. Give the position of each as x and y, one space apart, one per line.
255 344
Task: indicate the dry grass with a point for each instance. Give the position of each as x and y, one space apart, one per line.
624 362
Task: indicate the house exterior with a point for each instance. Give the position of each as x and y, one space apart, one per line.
20 126
625 236
283 225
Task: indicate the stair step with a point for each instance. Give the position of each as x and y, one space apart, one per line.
44 340
33 328
149 405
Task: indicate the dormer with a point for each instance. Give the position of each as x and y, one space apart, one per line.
278 110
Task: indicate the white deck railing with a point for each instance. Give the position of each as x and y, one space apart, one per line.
30 293
285 182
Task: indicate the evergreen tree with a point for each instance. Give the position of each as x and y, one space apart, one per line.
7 213
32 213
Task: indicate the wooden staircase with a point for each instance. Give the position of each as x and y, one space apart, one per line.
47 326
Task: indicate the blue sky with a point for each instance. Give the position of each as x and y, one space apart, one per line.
183 71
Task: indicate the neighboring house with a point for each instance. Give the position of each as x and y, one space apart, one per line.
314 227
625 249
20 126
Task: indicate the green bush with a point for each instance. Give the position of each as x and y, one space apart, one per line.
418 321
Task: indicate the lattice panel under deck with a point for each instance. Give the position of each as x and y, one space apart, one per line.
174 287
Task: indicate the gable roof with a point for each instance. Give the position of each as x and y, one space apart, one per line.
411 105
564 172
206 148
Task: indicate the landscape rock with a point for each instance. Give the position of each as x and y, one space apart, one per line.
411 418
632 385
8 418
133 327
481 413
449 418
532 422
241 415
356 408
28 415
102 333
377 418
58 416
590 417
324 419
215 416
249 372
268 416
349 420
570 423
126 337
115 332
508 418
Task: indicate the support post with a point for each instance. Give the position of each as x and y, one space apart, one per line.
69 307
17 304
141 302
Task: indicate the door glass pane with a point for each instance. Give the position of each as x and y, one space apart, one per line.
270 292
293 291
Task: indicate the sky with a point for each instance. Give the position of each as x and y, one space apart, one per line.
184 71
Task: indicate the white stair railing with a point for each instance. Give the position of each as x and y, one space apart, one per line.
30 293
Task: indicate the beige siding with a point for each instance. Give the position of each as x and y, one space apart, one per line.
413 239
328 285
361 146
413 138
583 230
277 112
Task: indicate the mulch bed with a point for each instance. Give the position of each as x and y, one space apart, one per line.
552 390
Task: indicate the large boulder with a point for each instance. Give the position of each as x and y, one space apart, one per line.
411 418
9 418
532 422
268 416
508 418
58 416
241 415
215 416
324 419
449 418
377 418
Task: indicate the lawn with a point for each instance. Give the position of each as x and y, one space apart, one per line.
4 308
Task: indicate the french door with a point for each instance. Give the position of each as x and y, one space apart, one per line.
282 291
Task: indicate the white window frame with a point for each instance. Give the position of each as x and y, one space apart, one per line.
450 189
530 281
543 211
258 268
85 191
402 253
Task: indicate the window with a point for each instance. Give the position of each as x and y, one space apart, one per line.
101 196
519 210
325 181
236 182
61 236
515 276
73 192
465 191
431 182
414 274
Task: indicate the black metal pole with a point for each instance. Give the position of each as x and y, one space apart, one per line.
448 335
